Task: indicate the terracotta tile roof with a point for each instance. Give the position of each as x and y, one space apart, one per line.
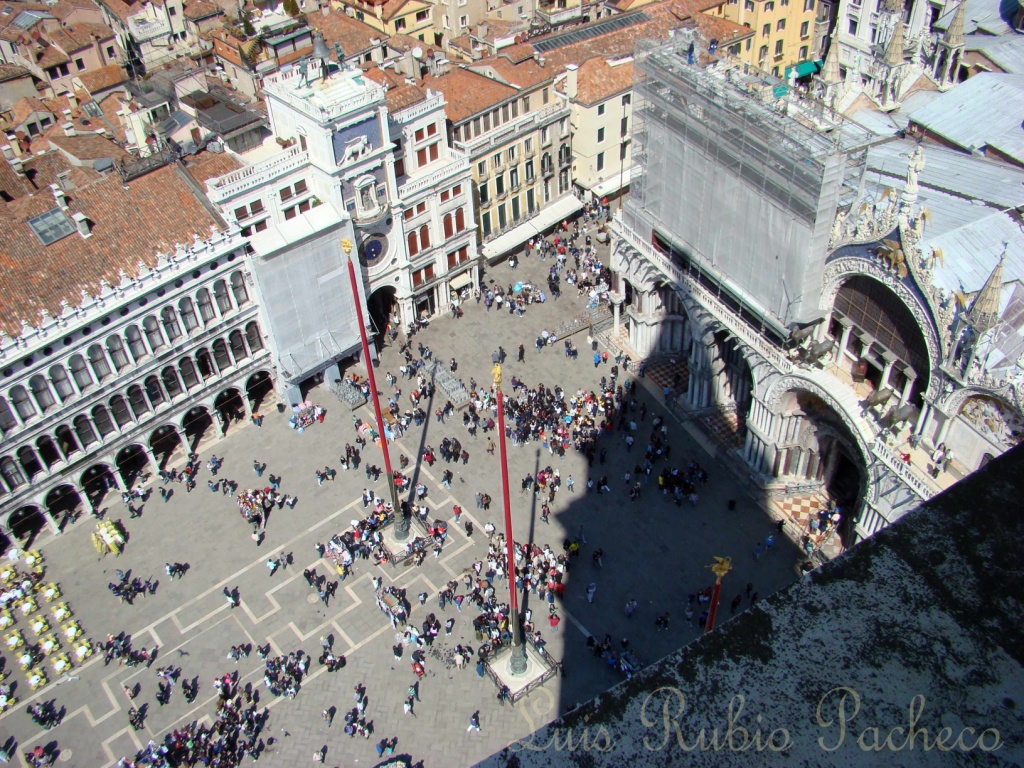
517 53
492 29
353 35
65 8
526 74
404 96
664 17
468 93
155 212
78 36
120 9
24 107
12 185
400 42
597 80
207 165
12 72
463 43
44 170
201 9
391 8
103 79
51 56
386 77
86 148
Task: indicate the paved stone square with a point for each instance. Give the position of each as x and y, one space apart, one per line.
654 552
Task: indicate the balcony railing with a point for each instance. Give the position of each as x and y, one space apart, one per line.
546 114
257 174
457 165
555 16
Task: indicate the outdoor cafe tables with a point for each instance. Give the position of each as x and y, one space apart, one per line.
49 644
37 679
61 612
72 630
61 664
83 650
14 640
27 605
6 620
51 592
39 624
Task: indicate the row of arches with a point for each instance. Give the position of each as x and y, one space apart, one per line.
125 409
121 470
105 359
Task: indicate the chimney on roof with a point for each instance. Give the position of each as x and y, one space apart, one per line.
571 80
14 144
83 224
72 100
481 30
69 129
58 196
8 153
64 179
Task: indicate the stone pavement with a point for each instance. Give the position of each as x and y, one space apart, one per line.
654 552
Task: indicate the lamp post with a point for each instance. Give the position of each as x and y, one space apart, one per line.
518 662
401 520
721 567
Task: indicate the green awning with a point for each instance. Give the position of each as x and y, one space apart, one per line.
805 68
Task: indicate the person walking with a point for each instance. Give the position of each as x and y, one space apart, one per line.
474 722
258 468
591 591
570 484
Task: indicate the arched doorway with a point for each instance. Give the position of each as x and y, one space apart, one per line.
131 463
195 423
229 407
382 306
816 446
164 442
25 524
97 480
259 385
871 325
63 503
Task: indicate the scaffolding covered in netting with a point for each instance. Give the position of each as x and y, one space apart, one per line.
742 175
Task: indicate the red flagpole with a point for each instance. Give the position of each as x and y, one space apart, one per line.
347 247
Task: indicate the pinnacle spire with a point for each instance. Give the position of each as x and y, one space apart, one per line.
894 50
830 69
984 311
955 33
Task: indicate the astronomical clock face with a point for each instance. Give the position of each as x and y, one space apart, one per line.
373 249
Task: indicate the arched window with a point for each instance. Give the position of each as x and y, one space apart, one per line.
135 343
137 402
220 354
238 350
424 236
11 473
29 462
188 373
153 391
205 305
7 418
102 419
563 153
253 336
62 383
220 293
153 335
84 430
448 231
48 451
188 314
41 393
22 403
171 383
98 361
170 321
238 289
460 220
414 244
119 408
80 372
205 363
66 440
115 348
